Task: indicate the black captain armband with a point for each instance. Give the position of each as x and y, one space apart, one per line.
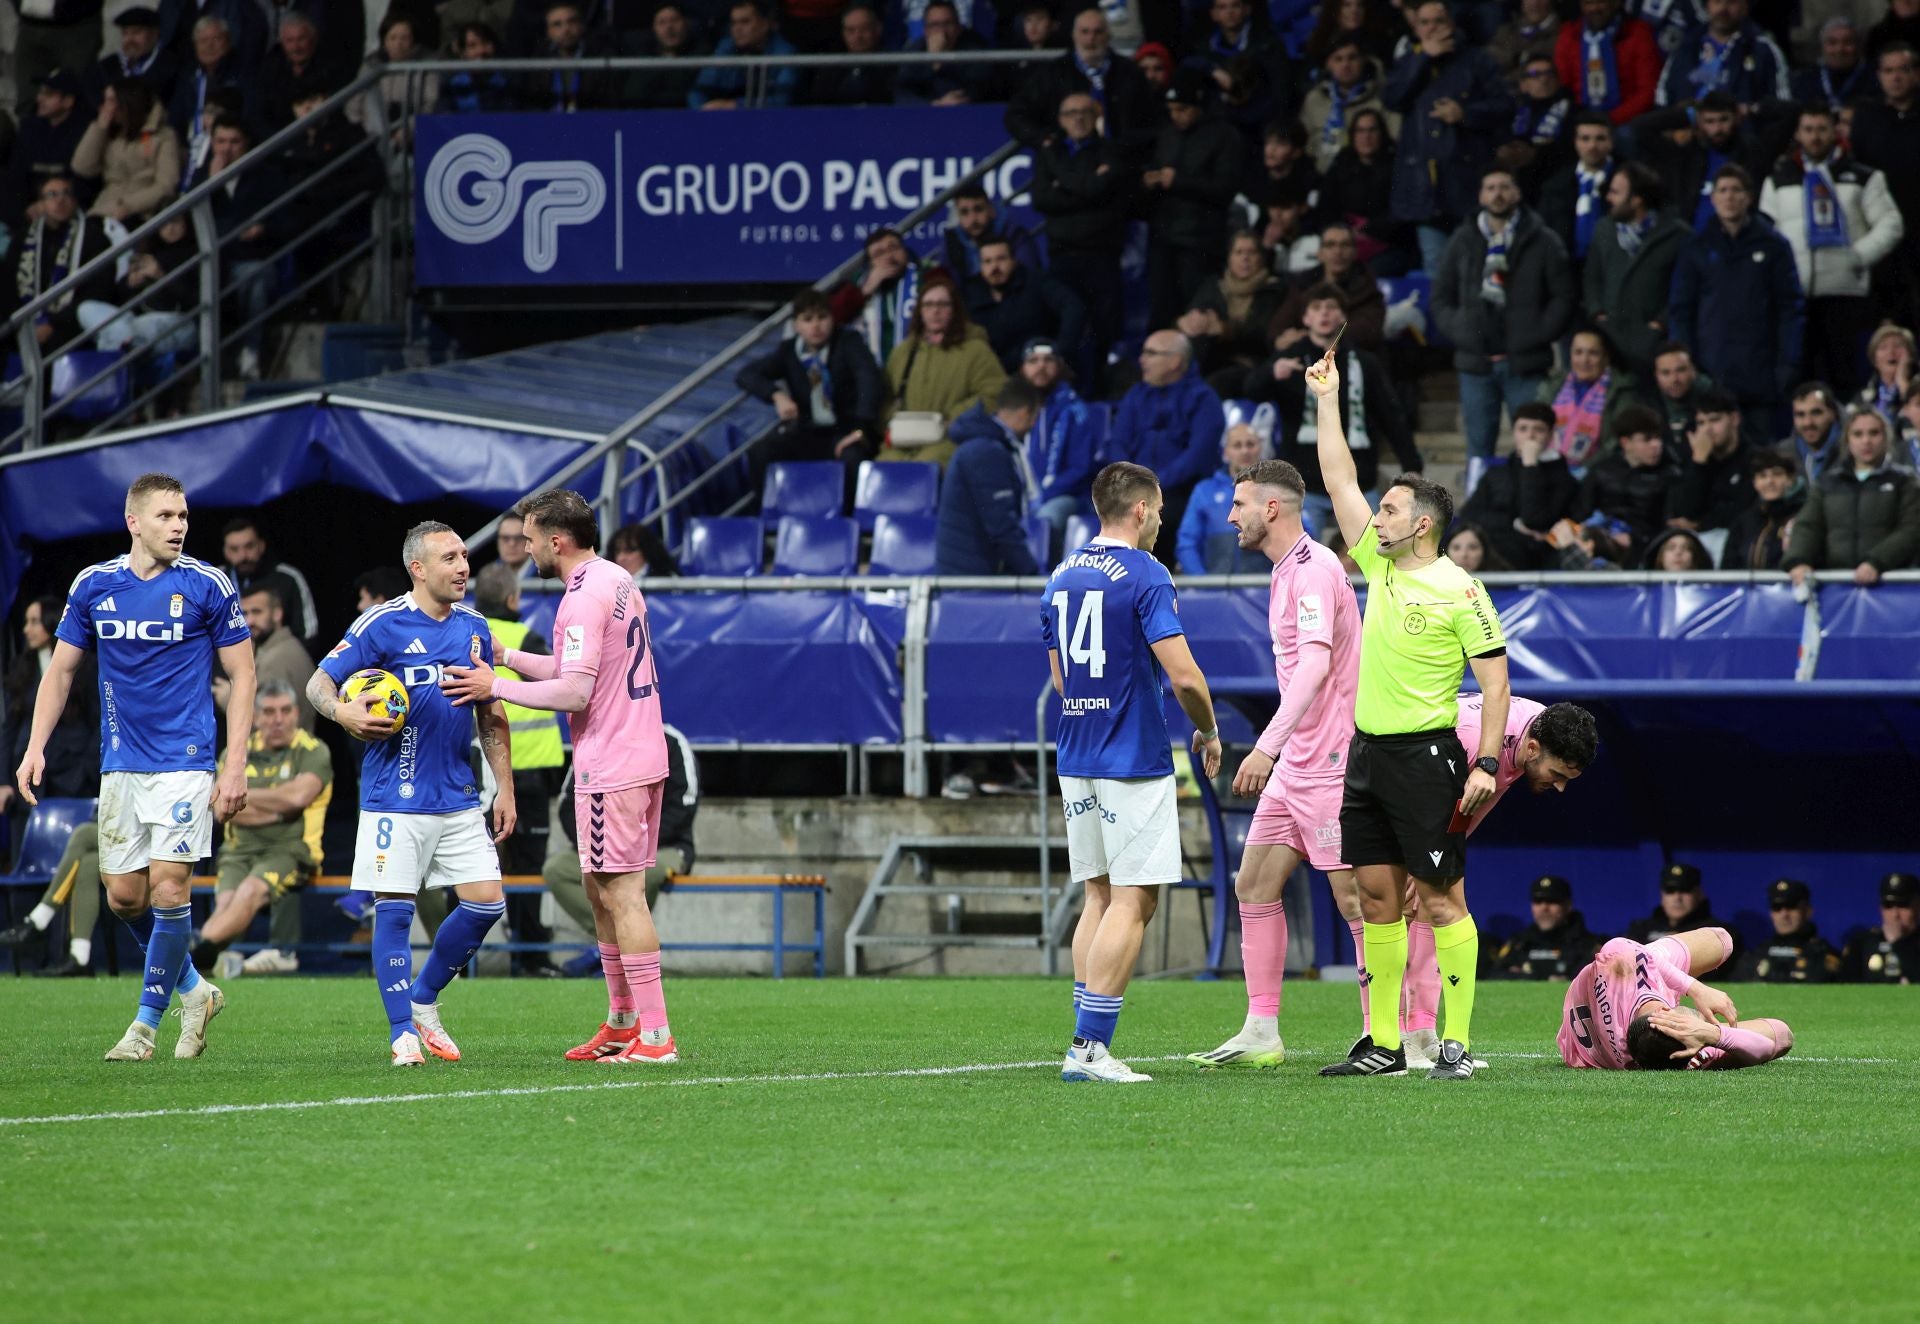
1491 652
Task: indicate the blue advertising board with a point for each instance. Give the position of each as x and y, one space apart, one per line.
686 197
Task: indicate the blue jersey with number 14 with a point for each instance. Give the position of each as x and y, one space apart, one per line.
425 769
1104 609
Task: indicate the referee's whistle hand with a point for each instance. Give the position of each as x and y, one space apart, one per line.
1480 789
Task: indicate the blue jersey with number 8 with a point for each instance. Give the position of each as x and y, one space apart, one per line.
428 767
1104 608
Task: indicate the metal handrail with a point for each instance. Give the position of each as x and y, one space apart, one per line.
195 206
607 451
662 63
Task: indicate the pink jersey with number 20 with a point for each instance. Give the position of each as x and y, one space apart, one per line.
600 631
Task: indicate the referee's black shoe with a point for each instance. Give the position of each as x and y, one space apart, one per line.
1367 1059
1454 1063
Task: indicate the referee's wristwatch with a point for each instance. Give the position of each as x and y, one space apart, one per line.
1488 764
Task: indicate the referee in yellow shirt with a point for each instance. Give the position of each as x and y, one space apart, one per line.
1410 787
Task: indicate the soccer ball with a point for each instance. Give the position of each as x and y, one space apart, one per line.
390 696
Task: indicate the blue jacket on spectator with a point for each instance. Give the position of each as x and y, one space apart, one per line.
467 93
1737 304
1752 69
983 502
1208 545
1436 172
1060 447
718 83
1173 430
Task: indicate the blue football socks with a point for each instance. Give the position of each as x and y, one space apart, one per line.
459 938
393 961
1098 1016
141 927
1079 991
171 930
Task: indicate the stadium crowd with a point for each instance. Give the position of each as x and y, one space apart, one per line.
1684 220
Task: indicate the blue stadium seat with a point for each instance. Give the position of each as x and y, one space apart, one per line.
807 488
826 546
1081 530
104 397
49 825
722 545
909 488
903 544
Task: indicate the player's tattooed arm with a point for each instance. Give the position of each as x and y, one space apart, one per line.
496 746
322 695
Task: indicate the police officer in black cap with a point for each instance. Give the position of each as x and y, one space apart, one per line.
1890 953
1796 953
1683 907
1557 943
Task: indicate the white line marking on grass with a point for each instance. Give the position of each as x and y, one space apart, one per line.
655 1082
509 1092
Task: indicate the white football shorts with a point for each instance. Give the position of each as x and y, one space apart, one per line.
1127 830
166 816
406 852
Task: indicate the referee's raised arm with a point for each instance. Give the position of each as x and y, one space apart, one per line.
1350 506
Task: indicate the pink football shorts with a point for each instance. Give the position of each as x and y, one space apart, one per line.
619 830
1304 816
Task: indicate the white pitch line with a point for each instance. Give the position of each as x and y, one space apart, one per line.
524 1091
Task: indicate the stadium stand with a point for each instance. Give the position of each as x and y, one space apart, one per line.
340 237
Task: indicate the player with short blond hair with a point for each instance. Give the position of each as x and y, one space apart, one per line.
155 618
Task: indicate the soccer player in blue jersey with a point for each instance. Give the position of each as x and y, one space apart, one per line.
420 819
155 618
1112 630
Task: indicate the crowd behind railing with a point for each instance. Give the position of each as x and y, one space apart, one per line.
1667 245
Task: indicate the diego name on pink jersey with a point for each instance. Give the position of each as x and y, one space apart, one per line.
600 631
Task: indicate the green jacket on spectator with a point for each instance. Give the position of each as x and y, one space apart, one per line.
949 379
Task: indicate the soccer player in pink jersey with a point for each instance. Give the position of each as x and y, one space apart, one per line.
1623 1012
602 673
1544 747
1298 765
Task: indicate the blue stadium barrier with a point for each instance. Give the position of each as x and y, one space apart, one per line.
1712 752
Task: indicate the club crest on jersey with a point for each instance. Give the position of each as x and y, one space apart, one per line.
176 605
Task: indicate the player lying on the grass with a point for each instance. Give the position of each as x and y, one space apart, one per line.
1623 1011
1111 624
155 618
420 819
1314 620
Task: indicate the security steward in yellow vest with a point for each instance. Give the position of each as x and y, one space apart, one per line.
539 763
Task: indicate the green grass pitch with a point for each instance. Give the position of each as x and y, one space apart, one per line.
756 1181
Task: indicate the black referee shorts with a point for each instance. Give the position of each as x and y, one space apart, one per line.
1401 794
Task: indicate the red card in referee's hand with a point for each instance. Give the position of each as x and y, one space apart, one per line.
1459 822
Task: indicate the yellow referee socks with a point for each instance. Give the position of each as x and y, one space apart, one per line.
1386 967
1457 945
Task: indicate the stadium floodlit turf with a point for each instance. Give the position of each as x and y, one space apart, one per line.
789 1167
